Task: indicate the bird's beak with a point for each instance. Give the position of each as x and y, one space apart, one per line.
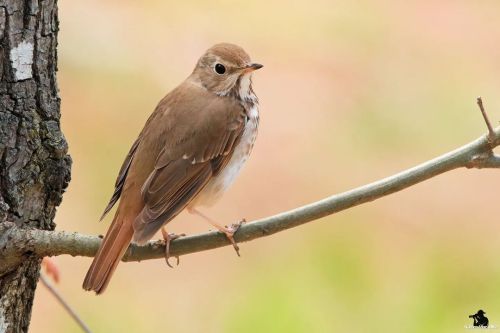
252 67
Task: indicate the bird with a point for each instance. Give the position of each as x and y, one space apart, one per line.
189 152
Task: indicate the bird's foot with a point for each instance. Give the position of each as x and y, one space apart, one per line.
169 237
230 231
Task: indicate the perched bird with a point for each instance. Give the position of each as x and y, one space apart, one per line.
189 152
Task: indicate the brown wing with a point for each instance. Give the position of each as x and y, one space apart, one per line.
120 180
183 168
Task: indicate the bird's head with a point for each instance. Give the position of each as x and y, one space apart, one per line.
225 68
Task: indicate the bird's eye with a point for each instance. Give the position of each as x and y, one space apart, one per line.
220 69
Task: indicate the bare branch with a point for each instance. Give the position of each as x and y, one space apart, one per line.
17 243
491 132
64 303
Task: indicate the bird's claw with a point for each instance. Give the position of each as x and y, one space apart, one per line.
230 231
168 238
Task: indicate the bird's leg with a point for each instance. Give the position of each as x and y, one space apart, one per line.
168 238
228 231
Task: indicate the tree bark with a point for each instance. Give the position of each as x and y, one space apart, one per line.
34 164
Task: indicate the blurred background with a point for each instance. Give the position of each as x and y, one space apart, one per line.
351 91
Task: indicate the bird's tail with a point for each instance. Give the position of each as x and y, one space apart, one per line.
111 251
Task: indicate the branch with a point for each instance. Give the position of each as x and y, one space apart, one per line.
16 243
64 303
491 132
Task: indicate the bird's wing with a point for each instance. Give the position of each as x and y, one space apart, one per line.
203 143
122 175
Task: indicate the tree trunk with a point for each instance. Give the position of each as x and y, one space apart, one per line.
34 165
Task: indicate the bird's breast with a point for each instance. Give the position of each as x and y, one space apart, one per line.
220 183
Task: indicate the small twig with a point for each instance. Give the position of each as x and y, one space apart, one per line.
63 302
491 132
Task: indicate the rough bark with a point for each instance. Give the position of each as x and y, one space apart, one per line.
34 165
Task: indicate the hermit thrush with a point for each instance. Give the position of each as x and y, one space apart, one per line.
188 153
